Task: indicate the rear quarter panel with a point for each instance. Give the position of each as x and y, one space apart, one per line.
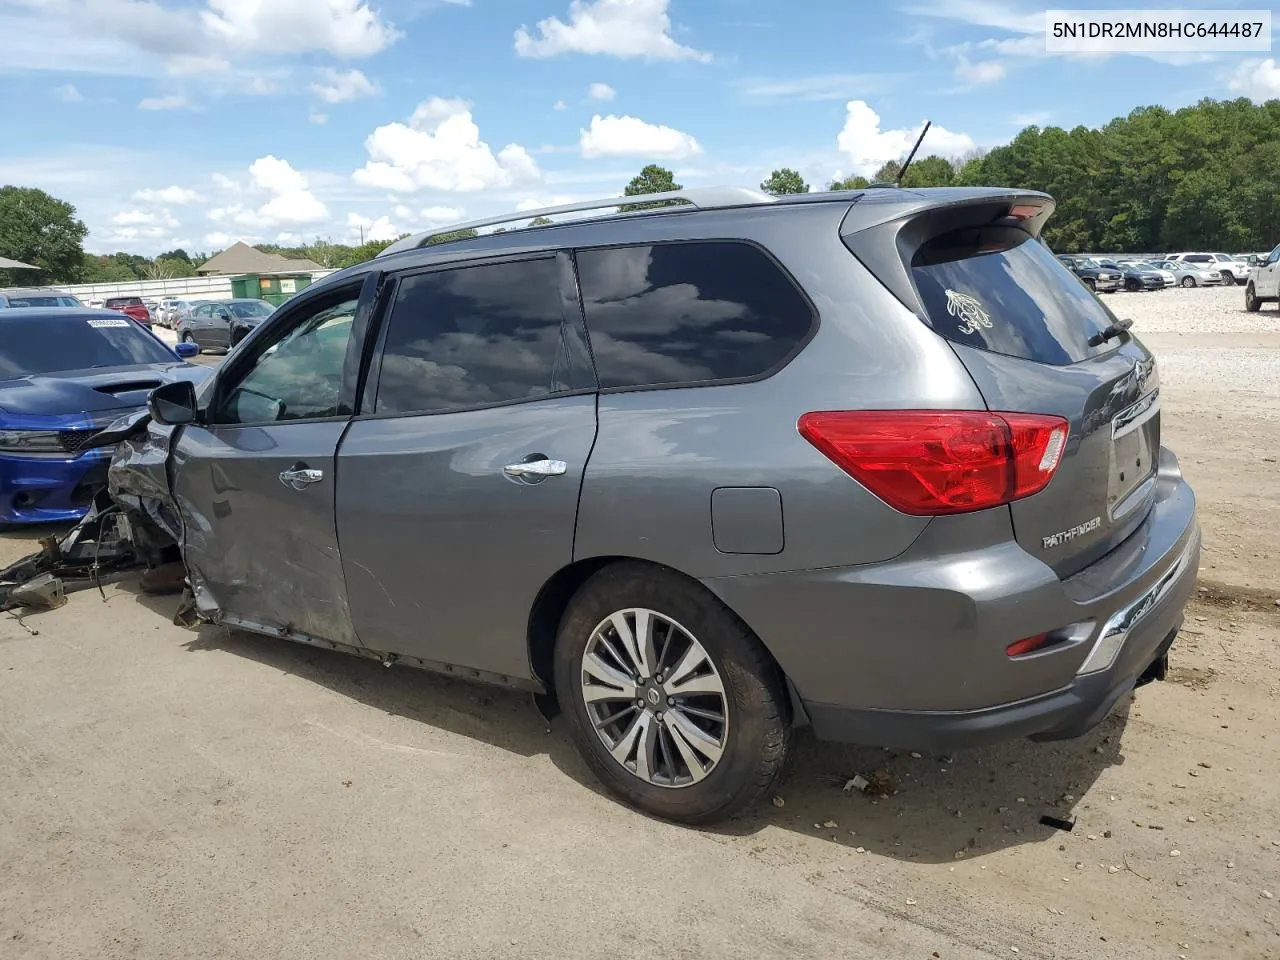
661 453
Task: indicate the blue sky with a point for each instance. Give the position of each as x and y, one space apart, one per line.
195 123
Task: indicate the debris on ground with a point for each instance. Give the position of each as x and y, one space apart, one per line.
1058 823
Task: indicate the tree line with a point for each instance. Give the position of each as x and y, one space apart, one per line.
1202 177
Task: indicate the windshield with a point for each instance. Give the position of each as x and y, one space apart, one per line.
250 310
53 344
43 300
997 289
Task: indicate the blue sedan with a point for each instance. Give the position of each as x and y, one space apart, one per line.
66 373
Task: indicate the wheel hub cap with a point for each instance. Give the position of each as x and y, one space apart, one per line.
655 698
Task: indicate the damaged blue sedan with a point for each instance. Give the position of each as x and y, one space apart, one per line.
65 374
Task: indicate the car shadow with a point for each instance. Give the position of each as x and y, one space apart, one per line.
935 808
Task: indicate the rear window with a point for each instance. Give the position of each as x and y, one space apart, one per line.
125 302
50 344
43 300
998 289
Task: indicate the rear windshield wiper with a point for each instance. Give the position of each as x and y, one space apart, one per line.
1109 333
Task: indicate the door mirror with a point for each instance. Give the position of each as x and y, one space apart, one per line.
186 350
174 403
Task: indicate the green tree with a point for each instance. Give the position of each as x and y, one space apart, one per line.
43 231
99 269
850 183
541 222
784 181
177 254
652 179
888 173
931 171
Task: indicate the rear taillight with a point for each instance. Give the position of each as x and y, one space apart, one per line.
931 462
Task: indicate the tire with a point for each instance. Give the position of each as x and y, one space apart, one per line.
1133 286
1251 301
1091 284
188 338
1188 281
755 734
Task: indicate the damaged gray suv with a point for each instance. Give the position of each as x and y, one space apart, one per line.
698 472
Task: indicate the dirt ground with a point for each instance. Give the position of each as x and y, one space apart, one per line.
169 793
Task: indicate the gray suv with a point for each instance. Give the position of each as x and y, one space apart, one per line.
698 473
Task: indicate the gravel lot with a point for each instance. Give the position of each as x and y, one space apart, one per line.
204 794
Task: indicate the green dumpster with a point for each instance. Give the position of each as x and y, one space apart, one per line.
275 288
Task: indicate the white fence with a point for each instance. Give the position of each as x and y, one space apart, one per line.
186 288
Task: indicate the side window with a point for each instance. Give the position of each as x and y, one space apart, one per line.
300 376
1199 258
1275 256
472 336
690 312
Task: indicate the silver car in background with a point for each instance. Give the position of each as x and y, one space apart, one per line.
1187 274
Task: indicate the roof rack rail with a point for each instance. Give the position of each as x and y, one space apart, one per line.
701 198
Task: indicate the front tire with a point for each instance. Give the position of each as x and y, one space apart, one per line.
1251 301
1091 284
1133 286
674 704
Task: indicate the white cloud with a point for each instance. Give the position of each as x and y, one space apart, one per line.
983 13
262 86
345 28
287 239
318 118
219 240
298 206
1257 79
288 197
982 72
560 105
172 101
602 92
362 229
1033 118
343 86
869 148
440 148
827 86
174 195
67 93
442 214
617 28
613 136
223 182
276 175
141 218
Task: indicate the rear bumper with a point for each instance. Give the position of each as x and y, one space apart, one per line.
911 652
49 490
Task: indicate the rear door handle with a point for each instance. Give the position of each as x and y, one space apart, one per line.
300 477
536 469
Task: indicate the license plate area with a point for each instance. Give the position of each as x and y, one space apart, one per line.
1135 441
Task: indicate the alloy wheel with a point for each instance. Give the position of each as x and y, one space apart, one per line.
655 698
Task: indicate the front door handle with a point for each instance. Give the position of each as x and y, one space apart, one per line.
299 477
536 469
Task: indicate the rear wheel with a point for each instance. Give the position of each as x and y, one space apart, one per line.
672 701
1251 301
1188 281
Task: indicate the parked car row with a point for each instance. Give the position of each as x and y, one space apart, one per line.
1107 274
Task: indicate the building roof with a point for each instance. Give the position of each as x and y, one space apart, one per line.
242 258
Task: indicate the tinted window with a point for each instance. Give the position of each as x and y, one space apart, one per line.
688 313
473 336
1000 290
299 377
48 344
44 301
124 302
